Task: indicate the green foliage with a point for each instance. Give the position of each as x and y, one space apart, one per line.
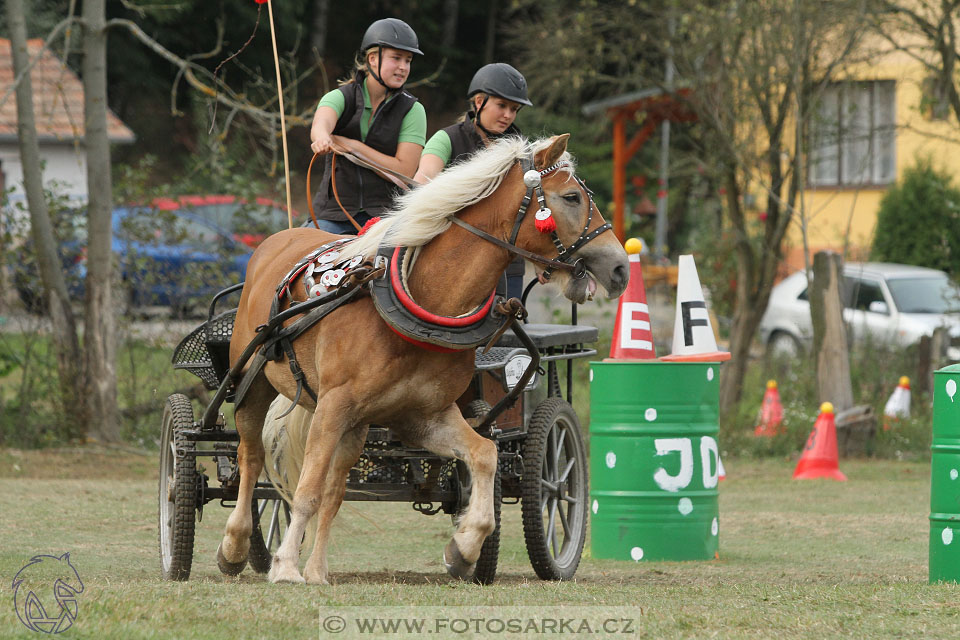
919 220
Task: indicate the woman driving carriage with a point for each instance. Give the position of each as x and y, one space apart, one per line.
496 93
373 116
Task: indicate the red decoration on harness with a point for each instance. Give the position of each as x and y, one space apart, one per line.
546 225
262 1
369 223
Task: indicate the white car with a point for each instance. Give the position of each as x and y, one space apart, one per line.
894 304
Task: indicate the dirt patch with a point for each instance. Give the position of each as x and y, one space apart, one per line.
84 462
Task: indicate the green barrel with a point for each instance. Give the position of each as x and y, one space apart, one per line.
945 476
654 460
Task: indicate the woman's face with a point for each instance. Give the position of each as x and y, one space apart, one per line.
498 114
394 68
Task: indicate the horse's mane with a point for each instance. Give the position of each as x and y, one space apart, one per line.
423 213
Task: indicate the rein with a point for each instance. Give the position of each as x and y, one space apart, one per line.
533 179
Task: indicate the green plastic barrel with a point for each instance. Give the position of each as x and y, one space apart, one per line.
654 460
945 476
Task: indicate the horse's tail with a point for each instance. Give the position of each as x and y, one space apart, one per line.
284 443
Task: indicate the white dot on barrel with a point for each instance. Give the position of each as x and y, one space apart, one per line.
709 373
636 553
714 527
596 505
954 474
591 375
650 414
611 459
947 535
685 506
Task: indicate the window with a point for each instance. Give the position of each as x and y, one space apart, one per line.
853 135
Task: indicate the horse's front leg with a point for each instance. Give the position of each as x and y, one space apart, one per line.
449 435
233 549
346 455
326 431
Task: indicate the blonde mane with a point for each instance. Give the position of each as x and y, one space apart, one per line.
423 213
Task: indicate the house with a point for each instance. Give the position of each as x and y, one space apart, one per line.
58 110
877 120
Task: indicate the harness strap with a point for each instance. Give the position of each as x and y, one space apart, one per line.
529 255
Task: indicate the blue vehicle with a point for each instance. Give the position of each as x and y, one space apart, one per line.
165 258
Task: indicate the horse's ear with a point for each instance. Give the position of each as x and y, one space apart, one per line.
549 156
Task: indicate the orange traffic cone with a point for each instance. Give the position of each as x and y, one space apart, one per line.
898 406
771 412
632 336
721 472
819 458
693 339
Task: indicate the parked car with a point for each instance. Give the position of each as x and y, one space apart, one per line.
166 258
249 221
891 304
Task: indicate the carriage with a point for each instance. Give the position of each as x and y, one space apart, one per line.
542 461
511 436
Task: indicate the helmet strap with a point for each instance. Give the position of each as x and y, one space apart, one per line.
376 74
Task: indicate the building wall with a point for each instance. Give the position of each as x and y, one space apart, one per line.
832 211
65 164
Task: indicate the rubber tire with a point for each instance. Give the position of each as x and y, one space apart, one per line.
543 421
783 345
485 571
177 522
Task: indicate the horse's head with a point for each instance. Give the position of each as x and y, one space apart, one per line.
578 229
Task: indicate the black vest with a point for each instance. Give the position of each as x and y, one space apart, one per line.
359 188
464 142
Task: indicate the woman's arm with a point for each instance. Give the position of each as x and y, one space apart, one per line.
324 120
405 161
430 166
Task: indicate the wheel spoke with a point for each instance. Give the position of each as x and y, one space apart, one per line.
570 499
566 471
552 526
563 522
549 486
274 524
560 435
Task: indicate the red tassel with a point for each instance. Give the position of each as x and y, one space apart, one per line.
369 223
547 225
261 1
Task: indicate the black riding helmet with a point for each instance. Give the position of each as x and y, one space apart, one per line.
501 80
392 33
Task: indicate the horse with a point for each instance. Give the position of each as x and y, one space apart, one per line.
363 373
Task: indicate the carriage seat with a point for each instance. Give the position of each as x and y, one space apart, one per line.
551 335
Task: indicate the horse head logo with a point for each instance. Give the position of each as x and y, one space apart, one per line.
45 593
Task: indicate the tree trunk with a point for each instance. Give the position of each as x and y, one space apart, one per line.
318 37
490 47
829 334
100 331
449 39
66 343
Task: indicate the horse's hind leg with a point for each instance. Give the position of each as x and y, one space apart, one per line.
232 552
346 455
326 431
450 435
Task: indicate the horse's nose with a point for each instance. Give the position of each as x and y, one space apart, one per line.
621 273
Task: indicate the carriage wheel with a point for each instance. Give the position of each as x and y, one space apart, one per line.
270 521
177 490
554 490
485 571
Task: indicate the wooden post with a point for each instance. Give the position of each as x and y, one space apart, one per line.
829 333
619 174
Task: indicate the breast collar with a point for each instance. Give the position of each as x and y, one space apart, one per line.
533 179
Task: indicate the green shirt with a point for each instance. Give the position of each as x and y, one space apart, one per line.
412 129
439 145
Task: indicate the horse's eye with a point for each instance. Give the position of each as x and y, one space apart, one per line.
572 197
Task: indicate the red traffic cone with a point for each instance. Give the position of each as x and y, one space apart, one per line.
898 406
721 472
632 336
771 412
819 458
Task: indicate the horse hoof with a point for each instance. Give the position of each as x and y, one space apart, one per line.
456 565
278 575
228 568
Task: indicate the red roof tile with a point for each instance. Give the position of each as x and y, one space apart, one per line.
57 99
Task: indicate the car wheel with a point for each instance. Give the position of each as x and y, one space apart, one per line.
783 345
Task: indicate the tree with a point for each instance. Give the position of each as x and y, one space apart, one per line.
919 221
752 71
66 343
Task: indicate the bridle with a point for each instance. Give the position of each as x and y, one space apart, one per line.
533 179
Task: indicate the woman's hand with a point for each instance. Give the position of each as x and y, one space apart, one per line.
322 142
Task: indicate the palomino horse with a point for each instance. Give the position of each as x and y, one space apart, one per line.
364 373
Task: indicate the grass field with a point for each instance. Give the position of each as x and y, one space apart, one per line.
809 559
